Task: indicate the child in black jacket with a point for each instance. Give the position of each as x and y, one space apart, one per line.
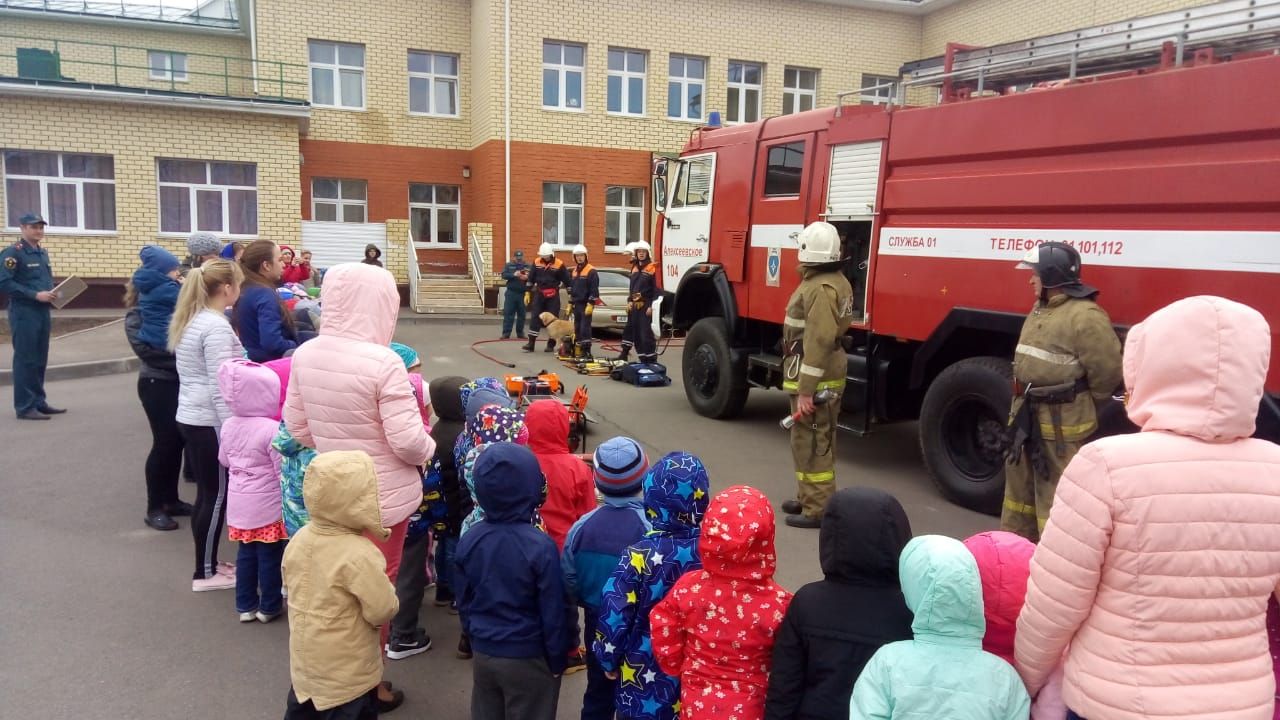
834 626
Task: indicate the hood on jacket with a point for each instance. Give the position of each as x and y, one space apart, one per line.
497 424
1004 564
1211 387
249 389
340 492
360 303
862 536
940 583
377 253
508 483
676 494
282 368
158 259
291 252
446 397
737 535
145 280
548 422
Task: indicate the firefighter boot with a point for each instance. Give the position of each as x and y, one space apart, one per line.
584 351
625 354
533 339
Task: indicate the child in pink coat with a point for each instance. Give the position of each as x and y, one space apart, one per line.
254 511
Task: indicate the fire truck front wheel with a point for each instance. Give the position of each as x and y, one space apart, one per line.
962 425
715 377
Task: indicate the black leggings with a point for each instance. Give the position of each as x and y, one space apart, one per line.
160 402
211 497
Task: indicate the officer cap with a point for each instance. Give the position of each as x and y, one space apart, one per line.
31 219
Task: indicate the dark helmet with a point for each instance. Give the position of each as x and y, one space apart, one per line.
1058 265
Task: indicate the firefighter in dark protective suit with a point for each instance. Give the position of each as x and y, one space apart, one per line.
1067 359
814 359
644 290
546 277
27 279
584 295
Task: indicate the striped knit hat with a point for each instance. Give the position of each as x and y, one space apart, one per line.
620 467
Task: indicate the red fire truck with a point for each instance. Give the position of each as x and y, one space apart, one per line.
1152 146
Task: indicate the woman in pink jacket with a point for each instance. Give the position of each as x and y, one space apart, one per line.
1163 546
349 391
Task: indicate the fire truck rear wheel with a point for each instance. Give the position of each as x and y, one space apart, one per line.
715 382
961 429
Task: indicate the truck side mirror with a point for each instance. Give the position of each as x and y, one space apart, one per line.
660 192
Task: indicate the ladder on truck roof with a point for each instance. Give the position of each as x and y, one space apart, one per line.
1223 29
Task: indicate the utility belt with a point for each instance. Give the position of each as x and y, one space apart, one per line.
637 302
1023 439
549 292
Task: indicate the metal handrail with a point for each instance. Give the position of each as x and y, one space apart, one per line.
477 263
274 75
415 273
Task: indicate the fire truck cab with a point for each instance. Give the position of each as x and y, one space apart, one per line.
1157 158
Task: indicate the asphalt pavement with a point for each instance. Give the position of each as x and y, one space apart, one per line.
100 620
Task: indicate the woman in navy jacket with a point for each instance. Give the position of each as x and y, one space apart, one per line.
266 327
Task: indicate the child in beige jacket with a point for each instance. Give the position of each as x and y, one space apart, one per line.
338 592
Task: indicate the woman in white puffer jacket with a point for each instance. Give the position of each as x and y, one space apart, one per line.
201 338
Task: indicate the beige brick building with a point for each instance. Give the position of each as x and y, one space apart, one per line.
336 125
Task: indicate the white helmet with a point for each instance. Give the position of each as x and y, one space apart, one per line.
819 243
545 250
640 245
629 247
579 249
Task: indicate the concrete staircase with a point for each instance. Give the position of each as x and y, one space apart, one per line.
448 295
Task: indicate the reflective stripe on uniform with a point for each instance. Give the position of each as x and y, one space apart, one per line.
1048 431
816 477
1045 355
794 385
811 370
1017 507
793 322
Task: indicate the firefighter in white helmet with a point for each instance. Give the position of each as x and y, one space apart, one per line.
644 290
1067 359
814 359
546 277
584 295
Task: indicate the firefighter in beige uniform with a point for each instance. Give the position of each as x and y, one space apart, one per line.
818 315
1068 358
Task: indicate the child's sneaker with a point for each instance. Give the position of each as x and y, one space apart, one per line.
217 581
401 648
248 616
464 648
265 618
577 661
225 568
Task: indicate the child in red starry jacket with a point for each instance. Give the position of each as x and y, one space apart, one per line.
716 628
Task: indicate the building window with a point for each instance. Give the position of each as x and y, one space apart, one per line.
167 66
334 200
72 192
337 74
685 83
433 84
878 89
626 81
215 196
562 65
799 90
435 214
785 166
562 213
623 216
745 83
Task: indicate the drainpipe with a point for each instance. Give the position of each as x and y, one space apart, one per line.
506 120
253 43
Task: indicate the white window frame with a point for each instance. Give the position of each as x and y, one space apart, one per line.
336 68
797 93
340 203
168 73
880 96
625 76
624 210
563 70
560 207
434 77
742 87
684 81
434 207
59 179
193 188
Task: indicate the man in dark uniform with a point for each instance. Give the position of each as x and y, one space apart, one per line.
545 279
516 273
27 278
644 290
584 293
